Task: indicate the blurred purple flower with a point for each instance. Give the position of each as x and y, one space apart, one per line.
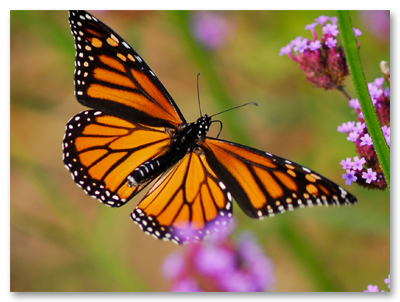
315 45
185 285
301 46
377 22
346 127
330 29
322 20
331 42
210 29
372 289
357 32
220 265
354 103
387 281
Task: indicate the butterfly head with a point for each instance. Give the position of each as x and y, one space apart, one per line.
202 126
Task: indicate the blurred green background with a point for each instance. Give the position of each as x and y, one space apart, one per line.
62 240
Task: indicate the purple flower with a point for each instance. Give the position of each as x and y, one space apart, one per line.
386 131
374 91
286 50
296 40
387 92
369 176
333 20
353 136
213 260
372 289
346 164
387 281
173 266
210 29
358 163
357 32
301 46
366 140
359 127
257 264
185 285
331 42
312 28
349 177
330 29
314 45
322 20
346 127
354 103
322 62
379 81
359 134
220 265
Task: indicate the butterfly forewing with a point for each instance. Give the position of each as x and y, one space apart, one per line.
186 203
112 77
264 184
101 150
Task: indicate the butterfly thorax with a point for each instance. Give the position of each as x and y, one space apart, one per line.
186 139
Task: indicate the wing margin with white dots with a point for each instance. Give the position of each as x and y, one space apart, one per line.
101 151
264 184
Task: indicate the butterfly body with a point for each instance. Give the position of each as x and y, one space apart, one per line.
136 136
187 138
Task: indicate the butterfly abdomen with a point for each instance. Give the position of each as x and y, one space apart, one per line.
150 169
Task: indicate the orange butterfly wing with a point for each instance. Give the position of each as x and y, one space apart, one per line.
101 150
264 184
185 204
112 77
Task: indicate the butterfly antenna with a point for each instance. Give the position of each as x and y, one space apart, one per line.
198 93
250 103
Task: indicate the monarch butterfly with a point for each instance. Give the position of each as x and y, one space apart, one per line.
136 135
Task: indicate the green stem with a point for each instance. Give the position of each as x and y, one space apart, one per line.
344 92
357 75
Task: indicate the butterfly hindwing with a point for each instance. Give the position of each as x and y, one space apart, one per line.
264 184
185 204
101 150
112 77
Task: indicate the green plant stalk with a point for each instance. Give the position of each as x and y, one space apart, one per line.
357 75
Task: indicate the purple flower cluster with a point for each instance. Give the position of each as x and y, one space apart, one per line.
374 288
366 170
219 265
322 61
